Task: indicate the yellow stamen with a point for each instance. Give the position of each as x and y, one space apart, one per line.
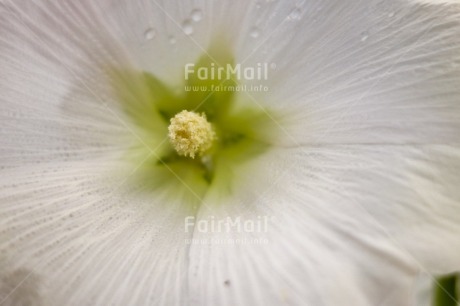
190 133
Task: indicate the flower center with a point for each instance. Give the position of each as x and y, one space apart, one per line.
191 134
210 147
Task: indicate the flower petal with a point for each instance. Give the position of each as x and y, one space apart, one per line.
91 237
55 102
366 72
181 31
352 225
424 290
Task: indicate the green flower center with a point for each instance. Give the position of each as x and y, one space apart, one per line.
199 138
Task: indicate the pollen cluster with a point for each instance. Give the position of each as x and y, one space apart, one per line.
190 133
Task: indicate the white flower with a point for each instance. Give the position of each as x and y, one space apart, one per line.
355 196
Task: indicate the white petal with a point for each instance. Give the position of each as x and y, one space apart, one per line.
424 290
353 226
366 72
91 238
55 104
163 36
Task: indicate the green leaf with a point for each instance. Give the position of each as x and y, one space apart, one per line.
445 292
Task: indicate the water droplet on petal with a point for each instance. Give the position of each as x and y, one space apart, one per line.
295 13
172 40
255 32
392 14
150 34
187 27
364 36
197 15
